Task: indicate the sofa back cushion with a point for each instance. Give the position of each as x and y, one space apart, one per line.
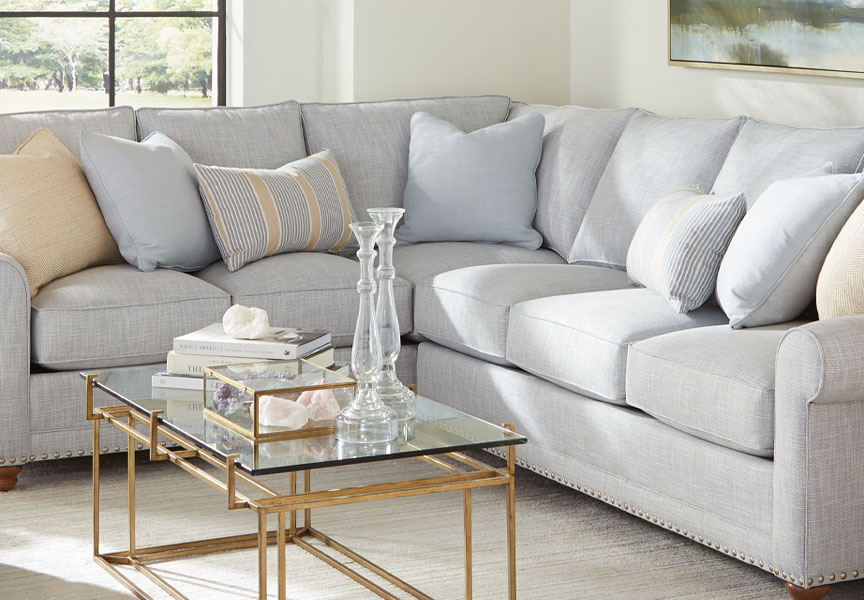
66 126
255 137
577 144
654 157
369 140
767 152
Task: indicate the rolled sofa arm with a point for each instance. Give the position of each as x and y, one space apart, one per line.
14 362
819 453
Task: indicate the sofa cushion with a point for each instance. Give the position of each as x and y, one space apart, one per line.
715 383
420 263
305 289
654 157
467 309
370 139
767 152
253 137
66 125
580 341
116 315
577 144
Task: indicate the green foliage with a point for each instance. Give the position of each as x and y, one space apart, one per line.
64 54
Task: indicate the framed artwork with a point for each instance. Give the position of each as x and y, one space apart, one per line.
815 37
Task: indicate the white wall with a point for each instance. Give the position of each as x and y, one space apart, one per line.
619 58
342 50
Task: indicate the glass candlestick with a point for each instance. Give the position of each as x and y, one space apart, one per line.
391 391
366 420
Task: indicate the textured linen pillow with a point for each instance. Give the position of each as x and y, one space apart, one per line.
472 187
49 220
770 270
840 289
148 193
257 212
678 246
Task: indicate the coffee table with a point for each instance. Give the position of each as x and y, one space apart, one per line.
172 426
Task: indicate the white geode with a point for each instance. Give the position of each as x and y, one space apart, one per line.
245 322
274 411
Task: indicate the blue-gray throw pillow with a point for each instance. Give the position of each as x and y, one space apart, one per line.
472 187
148 195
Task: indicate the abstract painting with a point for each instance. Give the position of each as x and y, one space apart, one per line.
823 37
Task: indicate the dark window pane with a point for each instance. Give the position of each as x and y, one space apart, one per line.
48 63
165 5
165 61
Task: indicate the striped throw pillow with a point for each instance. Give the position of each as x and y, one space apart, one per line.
679 245
255 213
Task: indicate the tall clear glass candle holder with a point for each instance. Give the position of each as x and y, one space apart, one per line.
391 391
366 420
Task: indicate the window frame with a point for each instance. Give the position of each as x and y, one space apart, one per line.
112 14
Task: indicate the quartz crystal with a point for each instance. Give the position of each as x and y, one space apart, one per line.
274 411
321 405
244 322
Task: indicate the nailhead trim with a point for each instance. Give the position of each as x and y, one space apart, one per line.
677 528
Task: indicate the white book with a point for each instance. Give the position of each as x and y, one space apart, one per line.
183 382
280 343
192 364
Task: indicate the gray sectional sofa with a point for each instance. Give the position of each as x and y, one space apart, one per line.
747 441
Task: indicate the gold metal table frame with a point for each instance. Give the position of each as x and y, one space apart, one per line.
462 473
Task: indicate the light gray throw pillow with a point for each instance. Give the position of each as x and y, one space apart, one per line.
770 269
472 187
148 194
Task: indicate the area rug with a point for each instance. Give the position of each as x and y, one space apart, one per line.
570 546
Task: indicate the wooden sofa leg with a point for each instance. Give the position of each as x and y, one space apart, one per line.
8 478
814 593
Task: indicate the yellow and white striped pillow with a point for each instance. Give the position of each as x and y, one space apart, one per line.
679 245
255 213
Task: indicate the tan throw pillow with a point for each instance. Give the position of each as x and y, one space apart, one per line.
255 213
49 220
840 289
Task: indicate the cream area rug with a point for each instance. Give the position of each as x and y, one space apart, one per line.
570 546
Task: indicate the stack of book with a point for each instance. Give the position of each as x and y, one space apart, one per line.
211 347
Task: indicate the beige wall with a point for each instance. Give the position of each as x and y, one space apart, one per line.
405 48
618 58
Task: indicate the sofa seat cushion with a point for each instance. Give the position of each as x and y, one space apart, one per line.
115 315
305 289
715 383
580 341
468 309
421 263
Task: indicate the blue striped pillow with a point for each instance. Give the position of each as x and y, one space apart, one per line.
679 245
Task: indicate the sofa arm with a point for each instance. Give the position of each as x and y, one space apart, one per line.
14 362
819 453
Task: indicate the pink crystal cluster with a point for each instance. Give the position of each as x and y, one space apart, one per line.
312 405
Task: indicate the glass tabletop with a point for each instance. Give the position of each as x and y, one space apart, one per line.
437 429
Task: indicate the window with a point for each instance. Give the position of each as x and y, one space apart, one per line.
96 53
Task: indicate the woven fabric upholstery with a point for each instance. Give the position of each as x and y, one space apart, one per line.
580 341
255 213
620 452
818 488
715 383
467 309
370 139
305 289
116 315
14 359
573 136
767 152
66 126
679 245
254 137
49 220
840 287
655 156
420 263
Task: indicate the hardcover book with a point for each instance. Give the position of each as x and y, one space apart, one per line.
280 343
192 364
